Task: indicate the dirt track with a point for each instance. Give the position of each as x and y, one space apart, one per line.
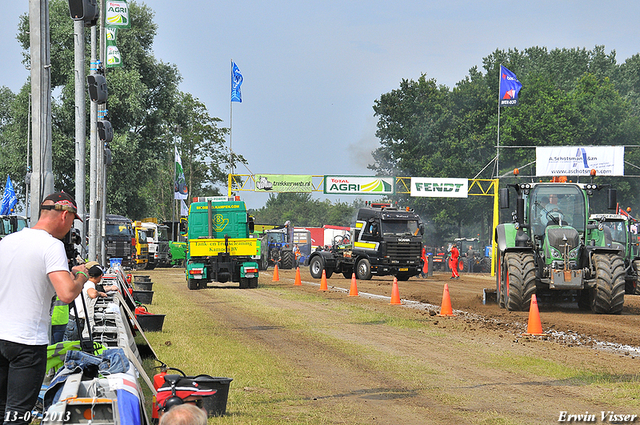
467 294
475 368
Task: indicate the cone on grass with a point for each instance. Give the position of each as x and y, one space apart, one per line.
276 275
445 308
323 282
298 281
534 327
353 291
395 293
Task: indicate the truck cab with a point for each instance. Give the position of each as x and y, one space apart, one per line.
384 241
141 254
219 247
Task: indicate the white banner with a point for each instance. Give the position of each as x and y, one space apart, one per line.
580 160
435 187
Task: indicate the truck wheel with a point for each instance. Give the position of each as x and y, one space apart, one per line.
520 280
244 282
608 294
363 269
316 265
347 274
253 283
287 260
150 266
193 284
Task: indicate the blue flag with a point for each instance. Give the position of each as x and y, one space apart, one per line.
9 199
509 87
236 82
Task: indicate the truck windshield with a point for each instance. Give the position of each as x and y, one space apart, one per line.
400 228
275 237
121 230
555 204
163 234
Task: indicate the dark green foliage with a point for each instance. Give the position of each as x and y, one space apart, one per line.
303 211
148 113
569 97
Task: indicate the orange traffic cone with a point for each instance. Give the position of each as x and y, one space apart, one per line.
445 308
323 282
276 276
298 281
534 327
353 291
395 294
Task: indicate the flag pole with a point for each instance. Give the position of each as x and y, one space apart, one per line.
231 128
498 142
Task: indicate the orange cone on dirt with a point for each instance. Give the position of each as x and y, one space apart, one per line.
353 291
445 308
298 281
395 293
276 275
323 282
534 327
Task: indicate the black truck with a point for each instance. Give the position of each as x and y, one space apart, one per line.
384 241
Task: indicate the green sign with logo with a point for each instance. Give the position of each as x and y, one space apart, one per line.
117 14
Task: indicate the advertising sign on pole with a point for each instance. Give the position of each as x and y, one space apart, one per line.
349 185
283 183
580 160
434 187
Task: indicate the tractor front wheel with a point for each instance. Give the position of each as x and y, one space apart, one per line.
520 282
608 294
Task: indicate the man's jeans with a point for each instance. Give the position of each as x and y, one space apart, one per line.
22 369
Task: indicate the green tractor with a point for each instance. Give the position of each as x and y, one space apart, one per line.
551 248
617 233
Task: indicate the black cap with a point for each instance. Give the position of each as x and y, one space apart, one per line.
62 201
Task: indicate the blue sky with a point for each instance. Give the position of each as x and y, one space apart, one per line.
313 69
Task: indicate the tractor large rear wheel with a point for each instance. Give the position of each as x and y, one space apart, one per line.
636 267
520 282
286 260
608 294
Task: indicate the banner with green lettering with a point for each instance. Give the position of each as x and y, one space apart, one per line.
117 14
283 183
436 187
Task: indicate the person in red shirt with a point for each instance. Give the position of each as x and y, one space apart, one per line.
453 262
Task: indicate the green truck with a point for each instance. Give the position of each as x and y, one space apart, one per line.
219 248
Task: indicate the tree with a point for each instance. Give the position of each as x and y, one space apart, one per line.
303 211
569 97
145 109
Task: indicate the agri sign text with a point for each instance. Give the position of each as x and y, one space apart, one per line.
359 185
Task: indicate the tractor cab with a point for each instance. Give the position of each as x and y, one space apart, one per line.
556 205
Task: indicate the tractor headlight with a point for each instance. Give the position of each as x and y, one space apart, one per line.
555 253
573 254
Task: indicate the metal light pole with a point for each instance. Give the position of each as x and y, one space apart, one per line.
81 130
42 175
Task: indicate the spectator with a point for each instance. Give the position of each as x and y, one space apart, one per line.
89 291
33 269
184 414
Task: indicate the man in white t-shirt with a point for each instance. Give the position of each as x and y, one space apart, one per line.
33 269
